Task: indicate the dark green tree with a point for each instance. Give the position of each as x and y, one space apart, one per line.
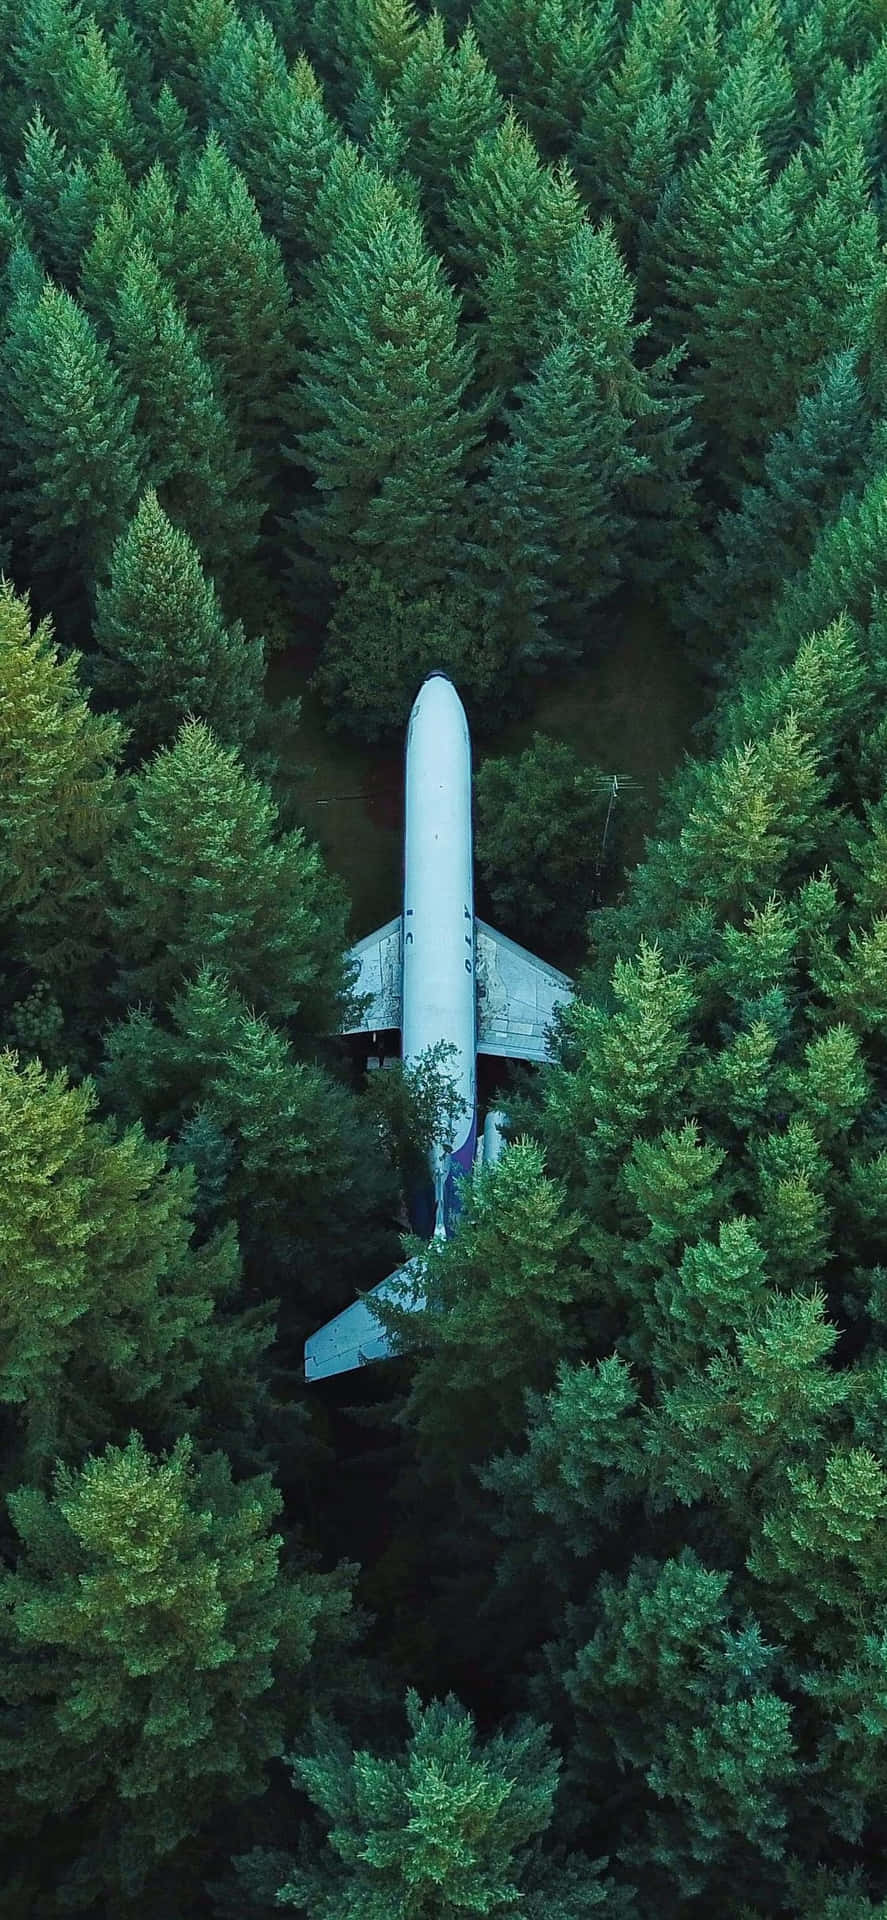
164 650
631 129
91 107
155 1646
515 218
383 640
445 99
539 826
384 383
44 181
74 460
198 874
808 470
230 274
495 1315
287 1151
449 1827
203 481
273 121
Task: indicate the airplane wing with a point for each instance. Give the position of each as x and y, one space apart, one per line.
516 997
378 956
355 1336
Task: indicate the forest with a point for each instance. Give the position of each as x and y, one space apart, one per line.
415 336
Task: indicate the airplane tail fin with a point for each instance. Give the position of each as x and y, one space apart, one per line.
355 1336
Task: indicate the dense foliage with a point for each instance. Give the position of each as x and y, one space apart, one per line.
434 336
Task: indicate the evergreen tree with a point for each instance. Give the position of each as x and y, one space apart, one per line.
541 814
631 128
511 562
286 1150
44 51
445 99
92 108
171 138
74 461
551 62
840 229
382 640
578 462
108 1311
230 274
303 160
269 116
58 805
44 179
203 481
164 651
154 1648
494 1314
198 874
807 472
385 382
447 1828
515 219
186 39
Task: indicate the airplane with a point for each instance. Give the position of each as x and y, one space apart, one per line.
438 973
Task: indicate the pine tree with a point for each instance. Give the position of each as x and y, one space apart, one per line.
509 559
171 139
187 38
382 640
44 174
93 109
157 1647
202 479
578 462
97 1232
515 219
259 108
44 51
164 651
74 459
555 65
807 471
230 274
637 113
755 79
58 805
304 1173
305 156
841 228
541 813
496 1314
445 99
199 875
385 382
449 1822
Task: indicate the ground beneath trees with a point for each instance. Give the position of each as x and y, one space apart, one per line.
630 710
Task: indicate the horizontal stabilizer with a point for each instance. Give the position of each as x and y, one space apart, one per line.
355 1336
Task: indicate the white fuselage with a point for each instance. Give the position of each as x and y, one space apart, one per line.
439 1001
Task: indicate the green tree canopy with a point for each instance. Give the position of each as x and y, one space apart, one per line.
59 803
164 650
153 1647
108 1309
199 873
